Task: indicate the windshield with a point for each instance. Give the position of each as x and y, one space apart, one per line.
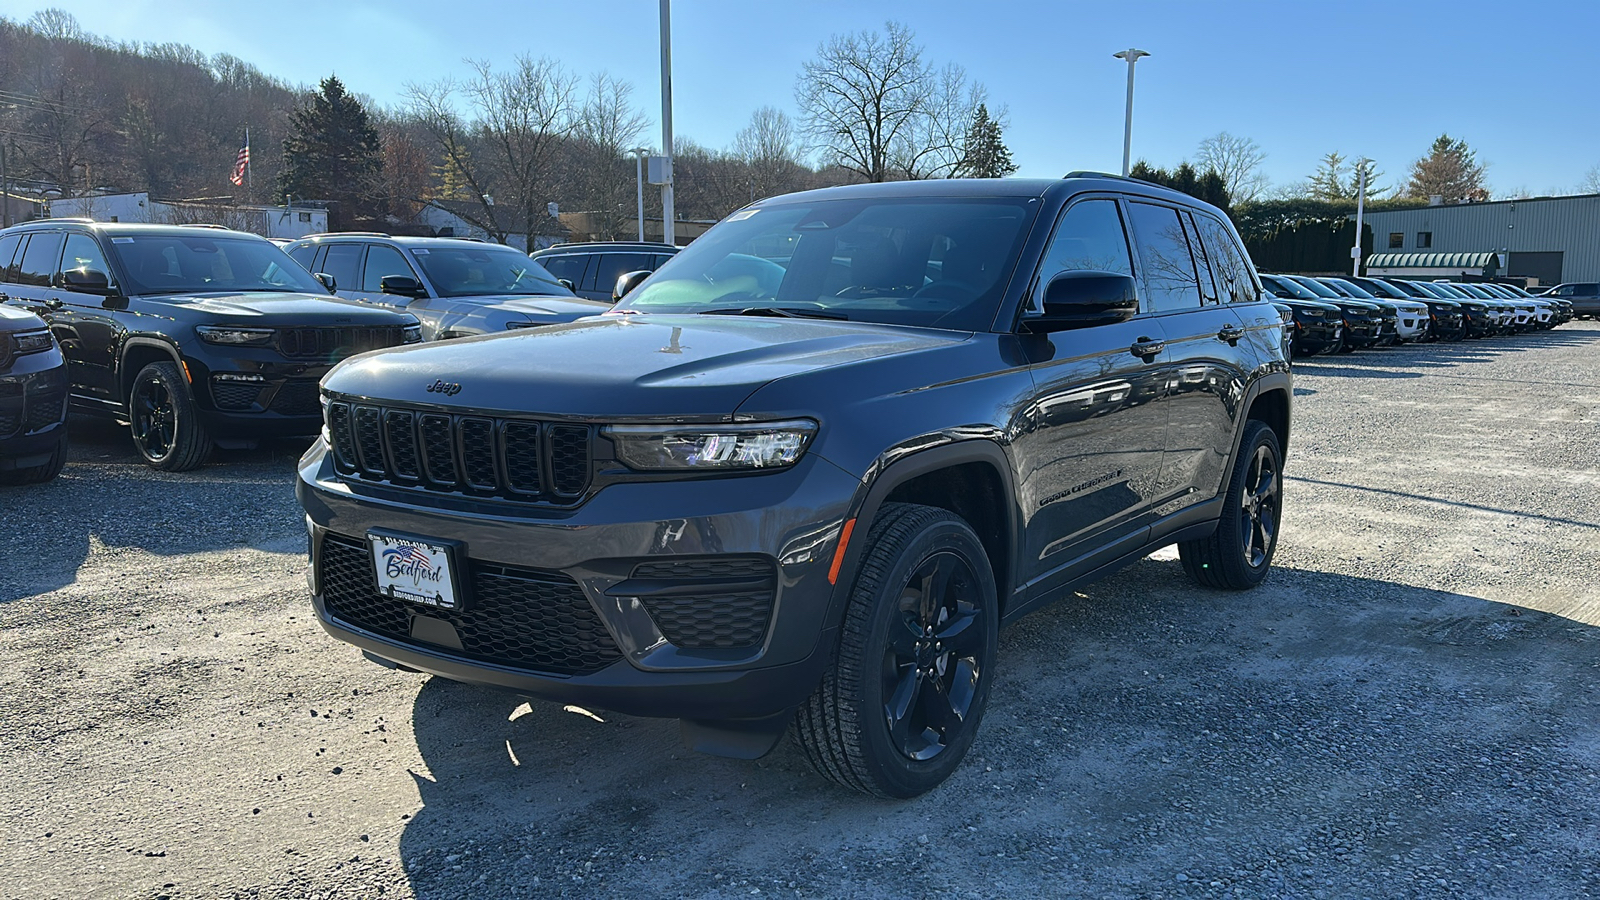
490 269
1315 286
1290 288
1353 289
203 263
940 264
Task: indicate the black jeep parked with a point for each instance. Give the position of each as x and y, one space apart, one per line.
193 336
833 446
33 400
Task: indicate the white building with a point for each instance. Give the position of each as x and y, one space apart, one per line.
267 221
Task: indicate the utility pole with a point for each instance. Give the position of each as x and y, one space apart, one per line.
667 234
5 189
1132 56
1361 203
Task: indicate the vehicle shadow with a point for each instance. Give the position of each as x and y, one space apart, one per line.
1322 731
107 496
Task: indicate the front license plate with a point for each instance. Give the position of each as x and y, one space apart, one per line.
414 570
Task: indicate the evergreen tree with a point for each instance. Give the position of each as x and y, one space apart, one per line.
1208 185
1450 170
334 154
986 154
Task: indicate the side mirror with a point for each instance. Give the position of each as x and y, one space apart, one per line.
627 283
85 280
327 281
400 285
1084 299
567 283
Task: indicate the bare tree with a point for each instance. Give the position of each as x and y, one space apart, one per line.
935 144
596 172
770 151
1238 160
859 97
56 24
1591 182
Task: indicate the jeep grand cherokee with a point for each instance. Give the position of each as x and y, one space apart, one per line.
805 472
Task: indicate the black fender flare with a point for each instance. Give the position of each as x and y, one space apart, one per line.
881 480
124 377
1275 381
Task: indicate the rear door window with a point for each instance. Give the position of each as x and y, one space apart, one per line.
40 258
303 255
1164 259
343 262
8 249
569 267
615 265
1234 281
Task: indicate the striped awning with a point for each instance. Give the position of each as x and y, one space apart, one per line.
1429 260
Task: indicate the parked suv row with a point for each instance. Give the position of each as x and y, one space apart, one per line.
805 471
456 288
192 336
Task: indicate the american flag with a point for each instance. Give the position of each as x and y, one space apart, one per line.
241 163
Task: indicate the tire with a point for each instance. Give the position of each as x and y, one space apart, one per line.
164 421
44 472
1239 554
888 658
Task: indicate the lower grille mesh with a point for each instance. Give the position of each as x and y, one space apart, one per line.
521 618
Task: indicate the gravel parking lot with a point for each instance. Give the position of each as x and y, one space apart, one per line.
1407 708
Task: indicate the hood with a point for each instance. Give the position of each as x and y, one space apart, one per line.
636 366
13 318
546 308
286 309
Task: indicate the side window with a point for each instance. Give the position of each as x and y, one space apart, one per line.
568 267
615 265
658 261
1210 280
1228 264
83 252
343 262
8 249
39 259
1164 260
383 260
303 255
1090 236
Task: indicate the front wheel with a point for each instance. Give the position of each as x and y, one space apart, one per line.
1238 555
901 705
164 421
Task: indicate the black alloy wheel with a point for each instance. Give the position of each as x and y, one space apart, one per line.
934 659
1259 505
163 420
899 708
1239 554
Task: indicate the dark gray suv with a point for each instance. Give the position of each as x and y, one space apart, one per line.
831 448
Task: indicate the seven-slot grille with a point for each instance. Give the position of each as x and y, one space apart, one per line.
514 459
337 343
26 408
525 618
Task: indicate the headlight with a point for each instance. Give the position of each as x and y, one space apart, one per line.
757 445
33 342
227 334
411 335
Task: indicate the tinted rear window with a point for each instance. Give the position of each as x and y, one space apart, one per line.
39 259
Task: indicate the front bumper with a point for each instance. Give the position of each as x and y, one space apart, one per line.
33 408
577 626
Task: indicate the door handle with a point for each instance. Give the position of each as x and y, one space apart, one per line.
1231 334
1145 348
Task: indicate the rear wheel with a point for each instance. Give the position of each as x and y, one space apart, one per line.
1239 554
901 705
46 471
164 421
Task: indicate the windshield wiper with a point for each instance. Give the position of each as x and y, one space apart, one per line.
786 312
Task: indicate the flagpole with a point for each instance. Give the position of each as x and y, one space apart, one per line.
249 181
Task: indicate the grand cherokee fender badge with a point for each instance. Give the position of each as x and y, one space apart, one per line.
447 388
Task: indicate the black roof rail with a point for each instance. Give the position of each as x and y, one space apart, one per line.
343 234
77 220
1086 173
204 225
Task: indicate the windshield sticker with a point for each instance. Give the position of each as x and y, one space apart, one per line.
122 240
742 215
418 251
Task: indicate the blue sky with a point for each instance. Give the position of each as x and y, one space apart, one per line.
1517 81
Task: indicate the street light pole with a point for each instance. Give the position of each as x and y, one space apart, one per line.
638 180
667 234
1361 204
1132 56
